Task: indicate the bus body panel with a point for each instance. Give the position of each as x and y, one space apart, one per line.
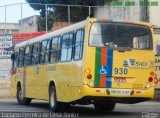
20 79
68 86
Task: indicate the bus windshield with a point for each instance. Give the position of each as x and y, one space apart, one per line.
120 35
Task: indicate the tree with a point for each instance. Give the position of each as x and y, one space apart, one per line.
60 13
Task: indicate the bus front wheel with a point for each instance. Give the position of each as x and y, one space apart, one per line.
104 107
22 100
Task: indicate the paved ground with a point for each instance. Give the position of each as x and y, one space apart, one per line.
140 110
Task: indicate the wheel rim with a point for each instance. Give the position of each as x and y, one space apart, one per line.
52 100
20 95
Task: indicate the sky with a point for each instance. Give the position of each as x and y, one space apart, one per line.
13 12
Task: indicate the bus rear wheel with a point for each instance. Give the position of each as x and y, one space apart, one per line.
104 107
22 100
54 105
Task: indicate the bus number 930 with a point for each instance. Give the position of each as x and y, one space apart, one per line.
120 71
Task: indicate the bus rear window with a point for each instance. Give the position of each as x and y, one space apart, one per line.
120 35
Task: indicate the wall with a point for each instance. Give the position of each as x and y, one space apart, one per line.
10 28
154 15
5 88
133 12
28 25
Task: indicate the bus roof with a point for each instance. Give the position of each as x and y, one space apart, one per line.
53 34
72 28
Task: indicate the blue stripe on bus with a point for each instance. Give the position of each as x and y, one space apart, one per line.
110 64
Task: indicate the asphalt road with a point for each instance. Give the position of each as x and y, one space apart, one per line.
8 106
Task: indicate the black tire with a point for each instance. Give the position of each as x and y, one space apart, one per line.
54 105
104 107
22 100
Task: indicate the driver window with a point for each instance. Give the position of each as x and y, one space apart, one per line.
95 35
141 42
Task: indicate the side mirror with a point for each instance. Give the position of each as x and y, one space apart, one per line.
12 56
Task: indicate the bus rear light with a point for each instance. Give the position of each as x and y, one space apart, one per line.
150 79
152 73
89 76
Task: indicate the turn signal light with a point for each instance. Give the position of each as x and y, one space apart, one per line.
88 70
150 79
89 76
151 73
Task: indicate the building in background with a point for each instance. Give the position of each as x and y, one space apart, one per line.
25 25
28 24
9 28
26 29
132 10
154 16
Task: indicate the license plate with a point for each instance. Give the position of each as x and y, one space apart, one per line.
119 79
120 92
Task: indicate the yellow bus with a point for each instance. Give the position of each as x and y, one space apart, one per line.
96 61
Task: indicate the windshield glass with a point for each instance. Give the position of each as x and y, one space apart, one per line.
120 35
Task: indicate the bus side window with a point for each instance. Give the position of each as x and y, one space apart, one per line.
27 58
66 47
35 53
43 52
70 47
15 61
47 51
78 50
54 50
21 57
30 55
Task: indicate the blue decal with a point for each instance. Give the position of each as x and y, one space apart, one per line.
103 70
125 64
110 64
